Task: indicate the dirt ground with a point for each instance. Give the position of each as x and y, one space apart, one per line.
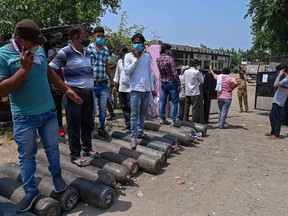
234 171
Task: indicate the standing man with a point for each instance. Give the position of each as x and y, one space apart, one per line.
137 66
75 62
193 80
278 102
24 76
242 91
170 84
123 86
101 70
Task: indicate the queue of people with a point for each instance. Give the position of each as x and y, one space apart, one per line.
80 74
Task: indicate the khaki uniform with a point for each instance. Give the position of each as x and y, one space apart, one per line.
242 93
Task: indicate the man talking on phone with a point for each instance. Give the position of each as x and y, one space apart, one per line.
24 76
137 65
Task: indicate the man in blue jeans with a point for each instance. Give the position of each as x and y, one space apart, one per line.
137 65
170 84
24 75
101 70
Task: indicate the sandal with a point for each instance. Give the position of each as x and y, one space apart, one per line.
81 163
91 154
272 137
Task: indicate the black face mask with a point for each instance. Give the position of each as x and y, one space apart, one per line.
85 43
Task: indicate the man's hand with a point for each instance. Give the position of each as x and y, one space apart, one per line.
73 96
5 100
136 53
26 59
154 94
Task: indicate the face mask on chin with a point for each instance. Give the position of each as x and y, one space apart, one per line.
33 50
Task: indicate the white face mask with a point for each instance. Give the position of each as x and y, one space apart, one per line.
198 67
33 50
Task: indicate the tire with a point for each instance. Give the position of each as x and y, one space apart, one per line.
253 77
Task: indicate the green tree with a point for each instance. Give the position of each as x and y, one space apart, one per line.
121 37
54 12
236 56
269 25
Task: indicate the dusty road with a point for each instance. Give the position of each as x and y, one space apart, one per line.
234 171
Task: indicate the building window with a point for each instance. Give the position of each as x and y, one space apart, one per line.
214 57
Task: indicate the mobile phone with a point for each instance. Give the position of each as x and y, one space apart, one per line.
21 44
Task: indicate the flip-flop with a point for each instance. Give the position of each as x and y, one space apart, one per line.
273 137
82 163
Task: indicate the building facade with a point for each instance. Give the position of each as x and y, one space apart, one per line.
184 54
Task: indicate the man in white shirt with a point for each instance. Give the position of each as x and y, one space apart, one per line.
137 65
123 86
193 80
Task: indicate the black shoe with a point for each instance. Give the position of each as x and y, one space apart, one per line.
26 203
59 184
102 133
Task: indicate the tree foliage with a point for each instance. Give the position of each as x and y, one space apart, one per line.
269 25
236 56
122 36
54 12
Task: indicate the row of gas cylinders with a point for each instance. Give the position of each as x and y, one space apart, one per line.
96 184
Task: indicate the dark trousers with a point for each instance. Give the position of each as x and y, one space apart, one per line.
275 119
197 108
80 124
181 107
125 102
57 97
284 113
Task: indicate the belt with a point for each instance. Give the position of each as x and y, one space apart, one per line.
84 91
283 89
99 82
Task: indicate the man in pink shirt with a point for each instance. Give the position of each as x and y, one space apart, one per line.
224 87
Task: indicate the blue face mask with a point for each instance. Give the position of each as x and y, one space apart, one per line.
138 47
57 50
100 41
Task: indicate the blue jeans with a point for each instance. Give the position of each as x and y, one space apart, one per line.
223 105
169 88
101 93
139 106
25 131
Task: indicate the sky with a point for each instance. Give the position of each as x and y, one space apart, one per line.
213 23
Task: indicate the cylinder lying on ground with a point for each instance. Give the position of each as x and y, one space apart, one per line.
146 162
43 206
156 143
184 136
90 172
91 192
68 199
120 173
152 152
129 163
173 139
7 207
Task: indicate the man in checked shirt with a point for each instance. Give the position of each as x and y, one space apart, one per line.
170 84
